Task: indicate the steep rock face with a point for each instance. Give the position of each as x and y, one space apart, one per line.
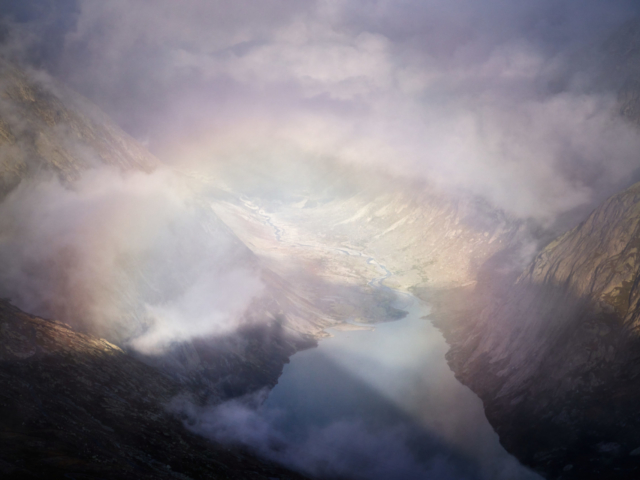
555 356
599 258
43 127
553 352
76 406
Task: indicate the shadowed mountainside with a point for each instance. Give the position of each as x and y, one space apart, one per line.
76 406
555 356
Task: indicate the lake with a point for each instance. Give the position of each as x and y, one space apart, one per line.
383 404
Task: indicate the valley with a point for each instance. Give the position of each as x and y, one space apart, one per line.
373 241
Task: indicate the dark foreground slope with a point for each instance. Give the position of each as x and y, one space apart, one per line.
556 356
74 406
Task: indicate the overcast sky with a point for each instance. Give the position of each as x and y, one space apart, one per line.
489 97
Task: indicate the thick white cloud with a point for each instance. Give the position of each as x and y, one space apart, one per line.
473 96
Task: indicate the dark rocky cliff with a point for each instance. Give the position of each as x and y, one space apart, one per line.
555 356
554 350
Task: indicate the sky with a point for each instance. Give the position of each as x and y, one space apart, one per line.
506 100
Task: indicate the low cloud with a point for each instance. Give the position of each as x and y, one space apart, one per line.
131 257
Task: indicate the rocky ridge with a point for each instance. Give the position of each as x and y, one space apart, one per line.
554 356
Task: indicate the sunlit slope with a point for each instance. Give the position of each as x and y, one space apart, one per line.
426 241
44 127
599 258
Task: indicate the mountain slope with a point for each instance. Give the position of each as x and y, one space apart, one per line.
76 406
73 404
45 128
555 356
50 136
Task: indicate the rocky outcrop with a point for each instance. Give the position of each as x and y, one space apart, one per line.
44 128
76 406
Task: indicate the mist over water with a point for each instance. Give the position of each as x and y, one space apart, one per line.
376 405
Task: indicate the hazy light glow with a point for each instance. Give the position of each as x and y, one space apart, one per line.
132 258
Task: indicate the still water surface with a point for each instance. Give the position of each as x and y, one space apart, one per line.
384 404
